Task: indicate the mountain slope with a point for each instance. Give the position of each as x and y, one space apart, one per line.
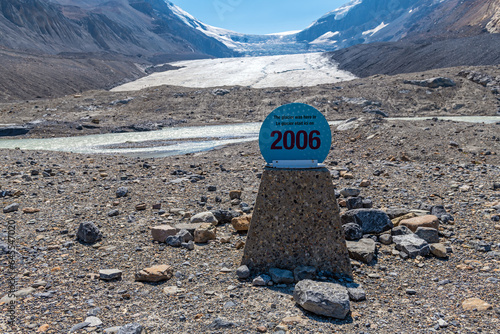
127 27
368 21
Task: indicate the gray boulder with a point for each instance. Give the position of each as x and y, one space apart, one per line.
133 328
350 192
431 235
362 250
323 298
243 272
356 292
370 220
352 231
354 203
440 212
396 212
411 245
11 208
280 276
400 230
88 233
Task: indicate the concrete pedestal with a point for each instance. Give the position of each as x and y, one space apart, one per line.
296 222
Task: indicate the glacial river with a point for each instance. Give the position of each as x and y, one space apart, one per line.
170 141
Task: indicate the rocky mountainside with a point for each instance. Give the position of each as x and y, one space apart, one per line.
368 21
139 28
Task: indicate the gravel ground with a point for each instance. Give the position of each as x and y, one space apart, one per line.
408 164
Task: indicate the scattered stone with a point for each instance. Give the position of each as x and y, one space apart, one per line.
365 183
411 292
354 203
121 192
350 192
475 304
428 234
88 233
79 326
155 274
173 241
482 246
400 230
438 250
411 245
141 207
356 292
30 210
396 221
323 298
212 188
422 221
440 212
221 323
112 330
304 272
261 280
24 292
204 217
161 232
113 213
241 223
235 194
243 272
396 212
110 274
11 208
225 216
205 232
281 276
93 321
133 328
188 245
370 220
352 231
385 239
185 236
173 290
362 250
188 227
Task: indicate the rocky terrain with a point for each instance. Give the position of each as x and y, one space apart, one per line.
396 166
405 95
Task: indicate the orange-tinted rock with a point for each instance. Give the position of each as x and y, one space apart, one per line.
423 221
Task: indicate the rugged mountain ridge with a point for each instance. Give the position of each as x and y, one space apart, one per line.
368 21
138 28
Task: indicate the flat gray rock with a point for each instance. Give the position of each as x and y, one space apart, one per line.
431 235
411 245
110 274
362 250
323 298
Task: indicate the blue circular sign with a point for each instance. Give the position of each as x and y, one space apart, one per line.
295 132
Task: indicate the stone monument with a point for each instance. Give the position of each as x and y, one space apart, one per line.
296 220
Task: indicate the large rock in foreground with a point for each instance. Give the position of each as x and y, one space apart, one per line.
370 220
323 298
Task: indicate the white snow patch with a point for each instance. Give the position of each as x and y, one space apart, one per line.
258 72
342 11
326 38
285 33
376 29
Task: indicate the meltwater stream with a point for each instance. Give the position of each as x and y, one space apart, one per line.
171 141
